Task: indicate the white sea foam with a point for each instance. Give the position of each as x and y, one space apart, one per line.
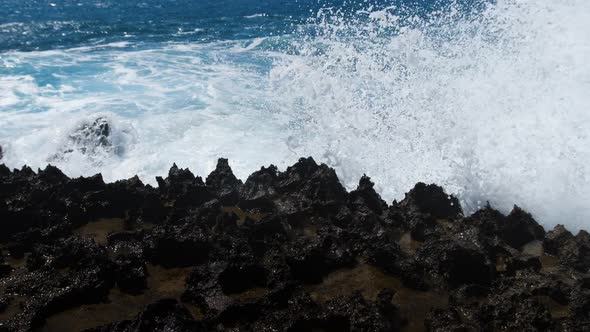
253 44
255 15
187 104
493 106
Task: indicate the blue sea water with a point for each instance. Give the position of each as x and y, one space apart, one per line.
487 98
43 25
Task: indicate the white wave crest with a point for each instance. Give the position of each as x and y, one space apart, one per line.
492 105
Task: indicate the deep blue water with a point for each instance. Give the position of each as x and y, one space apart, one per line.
40 25
29 25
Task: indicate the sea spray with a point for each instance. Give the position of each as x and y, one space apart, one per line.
487 99
492 105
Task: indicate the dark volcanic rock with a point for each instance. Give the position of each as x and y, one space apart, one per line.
182 191
424 205
520 228
164 315
366 198
224 183
432 200
64 275
457 261
557 239
177 246
301 187
284 251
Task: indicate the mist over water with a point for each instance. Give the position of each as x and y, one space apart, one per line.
489 100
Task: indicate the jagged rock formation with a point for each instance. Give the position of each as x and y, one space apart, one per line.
94 139
284 251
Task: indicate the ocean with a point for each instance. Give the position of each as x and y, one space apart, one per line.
489 99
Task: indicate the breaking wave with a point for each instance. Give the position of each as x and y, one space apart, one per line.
488 100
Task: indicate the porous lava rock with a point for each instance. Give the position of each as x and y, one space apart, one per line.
163 315
283 251
224 183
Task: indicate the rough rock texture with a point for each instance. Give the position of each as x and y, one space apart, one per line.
283 251
93 139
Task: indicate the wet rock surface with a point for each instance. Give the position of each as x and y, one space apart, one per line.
282 251
95 139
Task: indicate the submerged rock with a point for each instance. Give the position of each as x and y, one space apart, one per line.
92 135
93 139
284 251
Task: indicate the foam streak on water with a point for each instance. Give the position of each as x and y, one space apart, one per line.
491 104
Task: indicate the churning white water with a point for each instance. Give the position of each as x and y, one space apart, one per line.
492 104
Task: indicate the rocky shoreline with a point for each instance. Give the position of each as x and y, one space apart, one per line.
284 251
